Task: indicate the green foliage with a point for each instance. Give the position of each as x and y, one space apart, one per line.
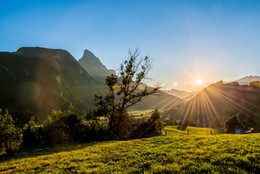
238 154
152 127
10 136
91 130
66 127
255 84
33 134
232 124
123 92
61 127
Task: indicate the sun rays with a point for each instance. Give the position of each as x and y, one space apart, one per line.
214 102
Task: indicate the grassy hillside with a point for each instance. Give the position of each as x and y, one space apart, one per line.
173 131
141 113
177 154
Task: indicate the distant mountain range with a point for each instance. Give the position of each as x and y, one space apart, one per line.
246 80
182 94
215 103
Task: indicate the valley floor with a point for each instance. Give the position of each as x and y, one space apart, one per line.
176 154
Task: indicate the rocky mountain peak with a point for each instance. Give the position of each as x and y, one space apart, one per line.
88 54
94 66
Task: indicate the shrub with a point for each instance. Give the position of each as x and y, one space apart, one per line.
61 126
150 128
91 130
10 136
232 124
33 134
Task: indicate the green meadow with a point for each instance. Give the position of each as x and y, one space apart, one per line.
141 113
172 131
163 154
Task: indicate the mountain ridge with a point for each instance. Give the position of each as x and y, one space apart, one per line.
214 104
182 94
36 80
94 67
247 79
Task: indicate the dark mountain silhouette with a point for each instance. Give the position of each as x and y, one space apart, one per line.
94 67
218 101
35 80
248 79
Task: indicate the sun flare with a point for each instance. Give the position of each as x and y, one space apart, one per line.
199 82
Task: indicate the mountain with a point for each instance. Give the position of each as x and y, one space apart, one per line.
36 80
215 103
94 67
246 80
182 94
162 101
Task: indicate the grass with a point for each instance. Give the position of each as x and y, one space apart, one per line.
141 113
176 154
172 131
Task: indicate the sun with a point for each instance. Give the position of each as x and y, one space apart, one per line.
199 82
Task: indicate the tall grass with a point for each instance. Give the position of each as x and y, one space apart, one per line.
176 154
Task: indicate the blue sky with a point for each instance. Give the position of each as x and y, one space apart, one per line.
188 40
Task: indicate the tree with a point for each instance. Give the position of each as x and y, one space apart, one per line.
61 126
152 127
33 134
232 123
10 136
123 92
255 84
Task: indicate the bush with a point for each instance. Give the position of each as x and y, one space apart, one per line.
232 124
33 134
10 136
61 127
91 130
152 127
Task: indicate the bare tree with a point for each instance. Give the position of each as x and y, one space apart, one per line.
124 91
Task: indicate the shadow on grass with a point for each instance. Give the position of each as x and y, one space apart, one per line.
46 150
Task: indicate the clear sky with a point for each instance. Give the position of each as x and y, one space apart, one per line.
192 40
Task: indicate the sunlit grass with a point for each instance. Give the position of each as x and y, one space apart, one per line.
177 154
173 131
141 113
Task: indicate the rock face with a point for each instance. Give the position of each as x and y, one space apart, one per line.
94 67
36 80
